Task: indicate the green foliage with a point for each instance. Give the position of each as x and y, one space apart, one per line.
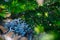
48 15
17 6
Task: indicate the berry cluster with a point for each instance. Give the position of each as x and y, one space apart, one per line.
18 26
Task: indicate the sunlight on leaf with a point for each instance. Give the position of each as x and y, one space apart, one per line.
2 6
38 29
46 14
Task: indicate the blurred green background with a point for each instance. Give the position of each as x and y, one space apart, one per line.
44 18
